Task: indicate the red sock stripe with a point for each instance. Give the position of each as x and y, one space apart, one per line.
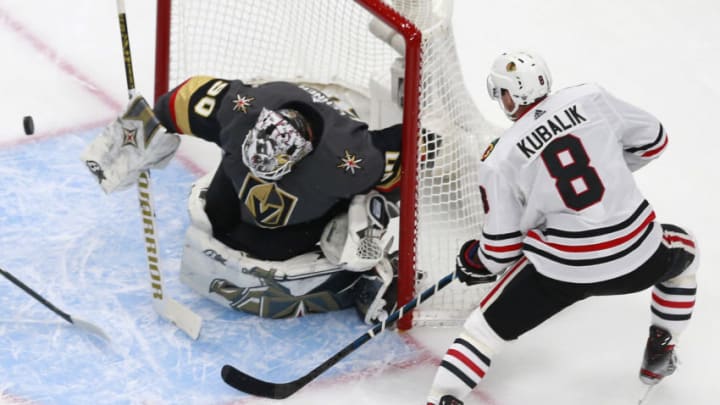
673 304
474 367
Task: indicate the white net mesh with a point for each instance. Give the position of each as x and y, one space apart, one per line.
328 42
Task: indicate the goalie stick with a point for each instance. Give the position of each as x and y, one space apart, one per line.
251 385
184 318
87 326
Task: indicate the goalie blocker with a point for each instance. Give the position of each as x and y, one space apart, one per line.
350 268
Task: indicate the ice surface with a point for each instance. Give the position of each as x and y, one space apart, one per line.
82 249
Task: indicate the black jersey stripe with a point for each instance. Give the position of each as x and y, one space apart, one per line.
674 228
599 231
502 236
498 259
650 145
593 261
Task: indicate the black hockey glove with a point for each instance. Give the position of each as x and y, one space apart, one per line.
468 267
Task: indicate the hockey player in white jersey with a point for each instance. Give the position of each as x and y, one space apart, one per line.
564 221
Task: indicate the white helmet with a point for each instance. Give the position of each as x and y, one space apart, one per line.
524 75
278 141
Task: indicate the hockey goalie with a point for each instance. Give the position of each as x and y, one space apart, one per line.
296 218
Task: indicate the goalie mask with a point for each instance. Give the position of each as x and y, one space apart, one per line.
524 75
277 142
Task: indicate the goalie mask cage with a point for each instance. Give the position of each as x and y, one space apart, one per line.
328 44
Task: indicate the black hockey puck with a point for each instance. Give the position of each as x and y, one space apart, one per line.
28 125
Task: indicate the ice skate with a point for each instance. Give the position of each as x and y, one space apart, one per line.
449 400
659 360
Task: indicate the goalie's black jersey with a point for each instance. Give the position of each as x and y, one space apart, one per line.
278 220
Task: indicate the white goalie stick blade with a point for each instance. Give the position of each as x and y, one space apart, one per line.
89 327
183 317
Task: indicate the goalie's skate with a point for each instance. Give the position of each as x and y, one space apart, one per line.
659 360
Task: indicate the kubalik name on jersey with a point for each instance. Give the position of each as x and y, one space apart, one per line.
558 124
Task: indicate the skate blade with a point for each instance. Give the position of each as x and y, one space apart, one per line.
648 393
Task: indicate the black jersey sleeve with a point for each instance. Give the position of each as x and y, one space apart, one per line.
192 107
389 141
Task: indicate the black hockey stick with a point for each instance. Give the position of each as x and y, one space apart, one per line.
251 385
75 321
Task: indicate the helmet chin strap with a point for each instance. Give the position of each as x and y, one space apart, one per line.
509 113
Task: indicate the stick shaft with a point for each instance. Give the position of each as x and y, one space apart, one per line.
127 55
35 295
181 316
251 385
144 190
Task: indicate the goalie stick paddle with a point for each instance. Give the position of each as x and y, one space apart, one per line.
251 385
87 326
180 315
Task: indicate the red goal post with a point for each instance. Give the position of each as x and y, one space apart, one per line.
442 130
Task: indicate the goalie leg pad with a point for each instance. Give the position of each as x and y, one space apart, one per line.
274 299
236 280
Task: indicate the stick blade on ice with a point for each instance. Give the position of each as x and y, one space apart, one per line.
89 327
251 385
180 315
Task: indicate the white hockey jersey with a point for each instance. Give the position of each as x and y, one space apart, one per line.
558 188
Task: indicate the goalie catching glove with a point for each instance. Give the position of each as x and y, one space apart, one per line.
468 267
133 143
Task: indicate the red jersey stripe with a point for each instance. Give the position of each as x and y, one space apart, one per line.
597 246
173 114
500 249
654 152
674 238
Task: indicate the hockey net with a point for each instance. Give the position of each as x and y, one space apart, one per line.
375 55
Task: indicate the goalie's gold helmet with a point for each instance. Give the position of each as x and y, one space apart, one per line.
278 141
